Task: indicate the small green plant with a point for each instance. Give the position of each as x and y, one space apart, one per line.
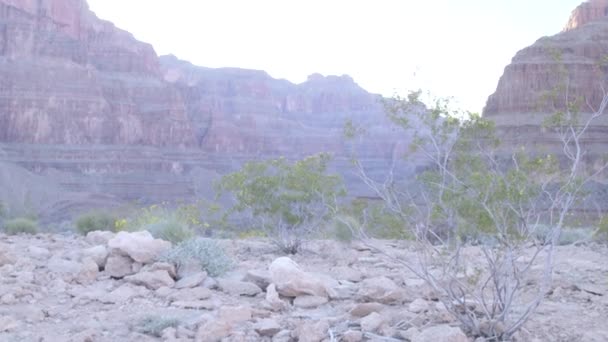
154 325
95 220
289 201
20 226
172 231
207 253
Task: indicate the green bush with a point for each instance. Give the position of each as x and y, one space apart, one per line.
20 226
95 220
205 252
172 231
289 201
154 325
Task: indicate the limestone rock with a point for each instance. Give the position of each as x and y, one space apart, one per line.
292 281
192 280
88 271
119 266
419 305
443 333
352 336
273 299
312 331
308 302
140 246
152 280
98 253
238 288
259 277
235 314
267 327
364 309
197 293
213 331
372 322
99 237
382 290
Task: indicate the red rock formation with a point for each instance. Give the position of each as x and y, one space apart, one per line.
543 78
67 77
588 11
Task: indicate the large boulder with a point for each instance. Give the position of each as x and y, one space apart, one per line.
139 246
292 281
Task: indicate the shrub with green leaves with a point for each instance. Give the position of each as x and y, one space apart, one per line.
172 231
154 325
205 252
95 220
20 226
289 201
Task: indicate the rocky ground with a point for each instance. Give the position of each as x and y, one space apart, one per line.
103 287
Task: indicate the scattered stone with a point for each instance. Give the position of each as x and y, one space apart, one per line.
192 280
312 331
39 253
99 237
119 266
259 277
152 280
140 246
308 302
213 331
382 290
238 288
372 322
292 281
8 323
160 266
88 272
346 273
196 293
444 333
97 253
196 304
419 305
122 294
235 314
273 299
267 327
352 336
364 309
68 270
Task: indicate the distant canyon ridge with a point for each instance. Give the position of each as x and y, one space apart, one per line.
89 116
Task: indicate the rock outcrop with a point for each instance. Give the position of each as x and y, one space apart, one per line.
543 78
588 11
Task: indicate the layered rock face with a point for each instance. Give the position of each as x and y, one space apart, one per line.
67 77
95 113
542 79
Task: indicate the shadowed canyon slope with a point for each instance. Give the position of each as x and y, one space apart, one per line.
86 107
543 78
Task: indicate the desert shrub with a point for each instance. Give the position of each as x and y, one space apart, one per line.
154 325
95 220
20 226
206 252
172 231
475 191
289 201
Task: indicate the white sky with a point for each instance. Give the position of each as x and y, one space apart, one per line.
453 48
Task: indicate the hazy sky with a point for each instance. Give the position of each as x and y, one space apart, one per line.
453 48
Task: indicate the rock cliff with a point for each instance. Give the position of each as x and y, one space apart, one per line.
543 78
91 110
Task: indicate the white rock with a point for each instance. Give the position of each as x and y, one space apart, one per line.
238 288
292 281
196 293
118 266
99 237
213 331
372 322
444 333
235 314
66 269
364 309
39 252
152 280
308 302
259 277
88 272
140 246
382 290
352 336
273 299
419 305
312 331
192 280
97 253
267 327
8 323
